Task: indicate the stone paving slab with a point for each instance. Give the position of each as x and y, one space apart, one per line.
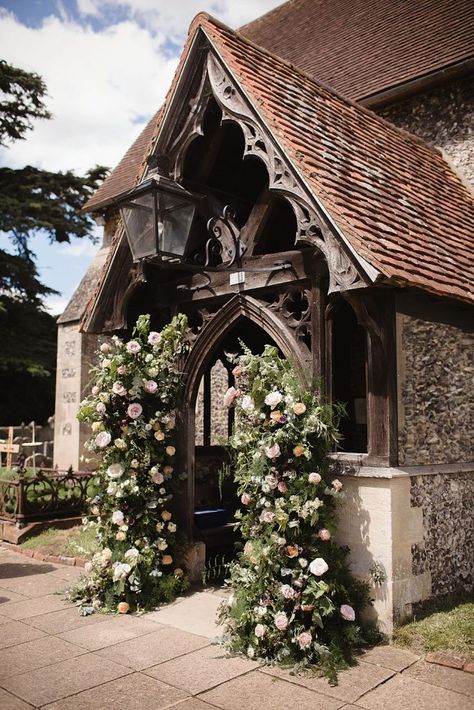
10 702
397 659
15 632
404 693
201 670
444 677
50 684
35 585
194 704
71 574
352 683
32 607
260 691
195 614
57 622
110 632
146 651
35 654
131 692
6 595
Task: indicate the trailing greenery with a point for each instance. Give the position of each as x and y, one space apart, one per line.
294 601
132 413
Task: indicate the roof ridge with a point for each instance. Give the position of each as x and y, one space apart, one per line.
316 82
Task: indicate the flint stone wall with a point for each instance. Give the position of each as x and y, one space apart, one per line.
443 116
435 384
447 549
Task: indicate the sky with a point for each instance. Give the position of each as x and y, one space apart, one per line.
107 65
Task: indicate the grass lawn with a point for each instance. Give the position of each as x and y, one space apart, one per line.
72 542
448 626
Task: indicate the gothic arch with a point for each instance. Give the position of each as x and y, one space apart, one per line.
241 306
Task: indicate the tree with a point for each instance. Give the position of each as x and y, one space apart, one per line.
32 201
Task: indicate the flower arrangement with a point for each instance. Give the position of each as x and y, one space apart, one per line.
293 599
132 414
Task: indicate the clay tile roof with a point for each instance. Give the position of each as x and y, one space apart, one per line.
363 47
128 171
394 198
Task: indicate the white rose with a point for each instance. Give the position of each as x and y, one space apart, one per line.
121 570
131 553
273 398
247 403
117 517
115 470
318 567
103 439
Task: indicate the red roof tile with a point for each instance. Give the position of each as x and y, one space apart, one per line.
393 197
363 47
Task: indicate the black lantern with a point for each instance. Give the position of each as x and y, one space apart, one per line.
158 215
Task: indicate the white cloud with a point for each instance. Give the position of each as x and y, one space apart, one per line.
103 85
55 305
79 249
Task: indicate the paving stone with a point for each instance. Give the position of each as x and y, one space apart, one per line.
448 660
6 595
49 684
404 693
15 632
352 683
57 622
131 692
259 691
15 567
34 654
37 585
195 614
32 607
4 620
467 668
194 704
202 669
390 657
110 632
69 573
444 677
9 702
149 650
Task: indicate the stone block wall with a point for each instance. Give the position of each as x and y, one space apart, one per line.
447 548
443 116
435 388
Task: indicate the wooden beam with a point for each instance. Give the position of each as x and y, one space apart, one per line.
258 218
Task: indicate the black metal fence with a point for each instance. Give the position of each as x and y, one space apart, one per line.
46 494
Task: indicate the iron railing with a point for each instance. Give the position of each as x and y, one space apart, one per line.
47 494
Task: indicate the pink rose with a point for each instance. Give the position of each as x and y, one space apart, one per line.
259 631
103 439
314 478
287 592
150 386
118 388
133 347
318 567
324 535
134 410
336 484
105 348
122 370
95 391
245 498
281 621
347 612
154 337
158 477
117 517
230 396
101 408
304 639
266 516
237 371
282 487
272 452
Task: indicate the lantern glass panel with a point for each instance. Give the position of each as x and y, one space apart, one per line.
140 223
176 216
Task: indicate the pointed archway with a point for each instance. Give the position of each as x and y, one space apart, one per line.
242 318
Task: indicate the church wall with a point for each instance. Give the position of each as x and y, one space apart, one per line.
435 377
443 116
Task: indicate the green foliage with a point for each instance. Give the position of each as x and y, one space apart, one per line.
294 601
132 413
32 201
22 95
